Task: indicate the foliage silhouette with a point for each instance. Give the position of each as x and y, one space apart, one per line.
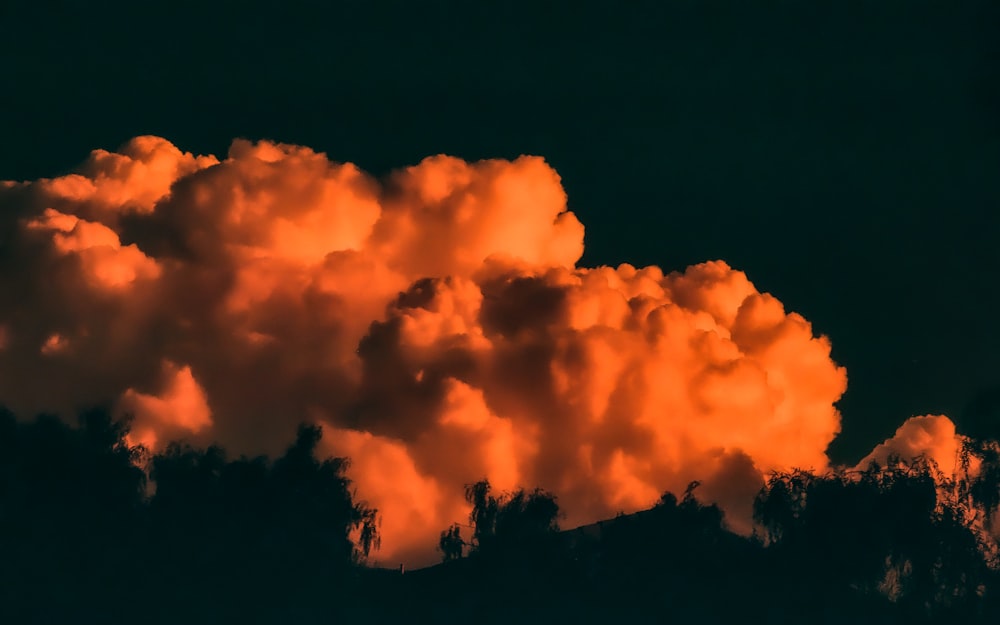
84 537
510 521
94 529
451 544
904 530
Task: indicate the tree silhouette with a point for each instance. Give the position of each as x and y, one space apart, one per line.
71 517
483 517
298 509
516 520
891 529
982 484
86 537
451 544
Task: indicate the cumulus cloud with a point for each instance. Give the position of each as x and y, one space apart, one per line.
179 408
932 436
436 323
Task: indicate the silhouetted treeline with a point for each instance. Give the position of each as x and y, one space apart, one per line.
95 530
904 531
895 543
84 538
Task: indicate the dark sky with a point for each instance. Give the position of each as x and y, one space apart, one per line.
846 155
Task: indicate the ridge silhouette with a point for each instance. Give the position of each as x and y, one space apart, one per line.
95 530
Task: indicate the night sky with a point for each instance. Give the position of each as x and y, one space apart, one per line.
844 154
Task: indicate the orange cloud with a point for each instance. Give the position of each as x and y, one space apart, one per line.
933 436
413 505
435 322
103 260
179 408
133 179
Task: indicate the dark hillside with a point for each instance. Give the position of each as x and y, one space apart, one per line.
85 539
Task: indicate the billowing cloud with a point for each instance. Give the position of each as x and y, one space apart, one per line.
435 323
931 436
179 409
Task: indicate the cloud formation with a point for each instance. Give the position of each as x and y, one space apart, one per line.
435 323
932 436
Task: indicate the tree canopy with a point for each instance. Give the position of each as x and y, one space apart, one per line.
95 529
